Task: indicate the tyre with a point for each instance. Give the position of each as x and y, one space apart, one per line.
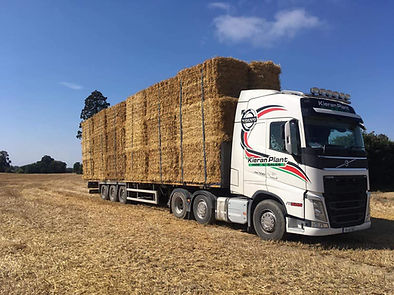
179 203
104 192
113 193
269 220
122 194
203 209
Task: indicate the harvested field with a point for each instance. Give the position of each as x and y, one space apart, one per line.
56 238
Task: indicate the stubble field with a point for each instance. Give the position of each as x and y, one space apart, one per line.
56 238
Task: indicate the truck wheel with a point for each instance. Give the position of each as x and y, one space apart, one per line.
104 192
113 193
122 194
203 210
179 204
269 221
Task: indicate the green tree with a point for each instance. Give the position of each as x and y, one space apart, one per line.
94 103
380 151
5 162
46 165
77 168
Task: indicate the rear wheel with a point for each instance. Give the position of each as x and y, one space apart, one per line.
122 194
203 209
269 220
104 192
179 204
113 193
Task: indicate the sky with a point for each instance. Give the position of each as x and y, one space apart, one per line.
53 54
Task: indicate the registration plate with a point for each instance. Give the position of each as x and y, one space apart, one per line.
349 229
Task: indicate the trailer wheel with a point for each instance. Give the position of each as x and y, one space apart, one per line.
203 209
113 193
122 194
179 203
104 191
269 220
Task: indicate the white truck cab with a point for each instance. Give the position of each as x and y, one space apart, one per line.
299 159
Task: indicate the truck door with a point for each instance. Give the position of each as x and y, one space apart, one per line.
285 176
254 168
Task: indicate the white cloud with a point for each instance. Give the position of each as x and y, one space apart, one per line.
71 85
262 32
236 29
220 5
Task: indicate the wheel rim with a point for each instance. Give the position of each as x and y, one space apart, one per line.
122 191
202 209
112 193
179 206
268 221
104 192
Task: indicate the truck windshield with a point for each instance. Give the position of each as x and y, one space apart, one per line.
322 133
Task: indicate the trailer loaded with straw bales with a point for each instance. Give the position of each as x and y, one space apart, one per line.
175 131
174 142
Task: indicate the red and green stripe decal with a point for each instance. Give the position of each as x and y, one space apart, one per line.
293 170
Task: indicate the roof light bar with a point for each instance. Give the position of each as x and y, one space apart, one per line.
320 92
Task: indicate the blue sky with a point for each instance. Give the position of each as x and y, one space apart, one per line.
53 54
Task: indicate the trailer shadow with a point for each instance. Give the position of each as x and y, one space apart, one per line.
379 236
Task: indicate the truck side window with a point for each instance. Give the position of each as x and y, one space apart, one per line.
277 140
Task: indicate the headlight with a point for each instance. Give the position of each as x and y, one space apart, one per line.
318 209
368 213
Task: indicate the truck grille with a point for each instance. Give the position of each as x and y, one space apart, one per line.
346 199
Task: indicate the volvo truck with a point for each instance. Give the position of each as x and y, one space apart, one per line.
297 164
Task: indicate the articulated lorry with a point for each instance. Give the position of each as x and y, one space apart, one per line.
277 161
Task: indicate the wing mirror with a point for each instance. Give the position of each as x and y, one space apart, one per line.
292 138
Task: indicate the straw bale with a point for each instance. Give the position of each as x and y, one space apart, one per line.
171 171
193 162
99 145
191 84
169 94
115 147
219 118
231 75
86 142
264 75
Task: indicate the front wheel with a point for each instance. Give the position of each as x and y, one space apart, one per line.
269 220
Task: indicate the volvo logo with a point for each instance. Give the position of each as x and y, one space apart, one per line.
249 119
346 163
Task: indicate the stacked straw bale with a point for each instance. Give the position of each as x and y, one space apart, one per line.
114 148
156 135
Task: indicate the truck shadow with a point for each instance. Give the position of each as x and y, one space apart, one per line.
379 236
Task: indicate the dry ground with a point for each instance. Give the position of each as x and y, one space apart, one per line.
56 238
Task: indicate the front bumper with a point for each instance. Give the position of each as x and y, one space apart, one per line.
302 229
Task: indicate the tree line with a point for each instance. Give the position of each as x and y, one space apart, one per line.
380 153
46 165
